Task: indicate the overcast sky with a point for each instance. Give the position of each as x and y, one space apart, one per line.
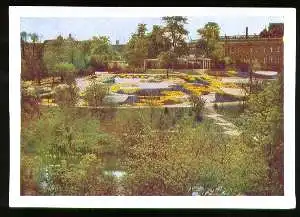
121 28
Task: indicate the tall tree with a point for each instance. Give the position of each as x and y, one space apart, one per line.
175 31
101 52
158 42
142 29
55 53
136 49
208 43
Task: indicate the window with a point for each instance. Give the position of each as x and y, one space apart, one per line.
278 49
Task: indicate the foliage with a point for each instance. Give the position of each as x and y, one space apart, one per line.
172 167
66 95
166 59
29 100
208 43
62 155
197 106
95 93
137 48
266 108
175 31
158 42
66 71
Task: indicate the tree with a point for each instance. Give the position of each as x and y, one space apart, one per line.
136 49
64 51
85 48
177 164
66 72
101 52
158 42
167 59
142 29
175 31
54 53
208 44
266 108
63 155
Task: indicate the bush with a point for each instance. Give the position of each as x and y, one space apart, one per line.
62 155
67 72
197 106
29 99
66 95
95 93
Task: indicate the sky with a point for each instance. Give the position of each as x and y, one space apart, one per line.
121 28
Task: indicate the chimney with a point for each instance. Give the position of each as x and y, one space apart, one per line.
246 31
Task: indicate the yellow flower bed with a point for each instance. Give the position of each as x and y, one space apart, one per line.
215 84
115 88
172 93
157 101
197 90
151 102
126 88
130 90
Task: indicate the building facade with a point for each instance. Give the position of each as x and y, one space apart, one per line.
265 49
267 52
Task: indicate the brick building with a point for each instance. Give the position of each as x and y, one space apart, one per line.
268 52
265 49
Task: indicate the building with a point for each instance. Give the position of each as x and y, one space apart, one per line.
267 52
266 49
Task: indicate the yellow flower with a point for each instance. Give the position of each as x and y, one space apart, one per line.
115 88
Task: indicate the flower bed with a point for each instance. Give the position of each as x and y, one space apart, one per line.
169 99
194 89
124 88
173 93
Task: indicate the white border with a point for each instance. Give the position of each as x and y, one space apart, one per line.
283 202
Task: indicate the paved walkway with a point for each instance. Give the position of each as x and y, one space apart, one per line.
228 127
